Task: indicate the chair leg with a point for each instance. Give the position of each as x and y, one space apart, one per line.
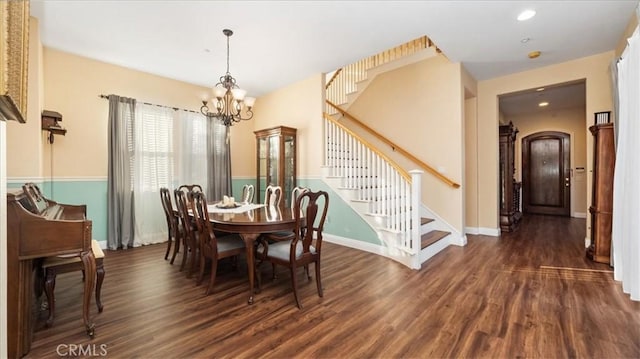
100 277
273 272
166 254
212 279
306 270
201 271
49 287
294 284
185 254
318 279
176 249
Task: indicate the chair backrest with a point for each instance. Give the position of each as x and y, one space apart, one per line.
295 193
247 193
272 196
182 205
190 187
201 217
165 198
310 220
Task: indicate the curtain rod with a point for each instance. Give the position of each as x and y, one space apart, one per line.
153 104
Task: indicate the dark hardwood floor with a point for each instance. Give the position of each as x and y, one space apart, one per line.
531 293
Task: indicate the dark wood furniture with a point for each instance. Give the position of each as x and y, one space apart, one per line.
305 247
35 230
212 247
510 213
53 266
188 229
173 224
276 160
287 235
249 225
601 208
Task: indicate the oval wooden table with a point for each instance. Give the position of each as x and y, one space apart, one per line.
249 225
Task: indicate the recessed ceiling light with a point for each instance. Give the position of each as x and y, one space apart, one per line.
543 104
525 40
540 89
526 15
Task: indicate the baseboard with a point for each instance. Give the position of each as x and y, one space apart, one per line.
494 232
579 215
355 244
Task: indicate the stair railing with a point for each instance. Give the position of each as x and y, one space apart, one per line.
395 147
377 180
344 80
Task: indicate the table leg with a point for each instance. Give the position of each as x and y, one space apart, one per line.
89 265
249 240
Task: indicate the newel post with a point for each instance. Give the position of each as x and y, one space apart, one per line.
416 200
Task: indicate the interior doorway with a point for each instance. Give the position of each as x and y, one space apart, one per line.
546 173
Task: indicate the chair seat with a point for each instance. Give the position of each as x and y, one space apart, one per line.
229 242
280 250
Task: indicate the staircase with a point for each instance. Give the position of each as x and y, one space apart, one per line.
385 195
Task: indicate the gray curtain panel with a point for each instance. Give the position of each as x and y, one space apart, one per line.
219 163
120 214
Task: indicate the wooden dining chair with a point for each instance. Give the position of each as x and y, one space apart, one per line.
287 235
173 224
247 193
189 230
212 247
305 247
273 196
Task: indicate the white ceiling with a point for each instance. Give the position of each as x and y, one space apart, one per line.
280 42
559 97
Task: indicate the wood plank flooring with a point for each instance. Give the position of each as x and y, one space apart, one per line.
531 293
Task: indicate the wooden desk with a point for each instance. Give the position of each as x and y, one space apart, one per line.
249 225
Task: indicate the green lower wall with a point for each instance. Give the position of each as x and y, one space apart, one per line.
342 221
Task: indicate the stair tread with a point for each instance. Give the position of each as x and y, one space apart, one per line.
430 238
425 220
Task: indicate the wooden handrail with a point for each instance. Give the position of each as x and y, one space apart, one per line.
404 173
335 74
395 147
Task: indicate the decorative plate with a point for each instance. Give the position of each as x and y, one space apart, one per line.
230 205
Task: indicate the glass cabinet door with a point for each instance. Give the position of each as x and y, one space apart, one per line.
276 161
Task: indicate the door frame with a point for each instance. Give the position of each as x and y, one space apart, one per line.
568 170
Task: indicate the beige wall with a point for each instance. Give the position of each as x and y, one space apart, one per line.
298 105
72 85
470 185
420 107
595 69
24 140
571 121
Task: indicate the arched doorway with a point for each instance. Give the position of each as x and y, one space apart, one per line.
546 173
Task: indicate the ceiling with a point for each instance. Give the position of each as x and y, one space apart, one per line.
276 43
557 97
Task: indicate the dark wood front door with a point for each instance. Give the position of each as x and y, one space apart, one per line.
545 173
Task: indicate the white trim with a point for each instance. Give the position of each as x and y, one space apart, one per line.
494 232
587 242
579 215
3 239
356 244
483 231
56 179
472 230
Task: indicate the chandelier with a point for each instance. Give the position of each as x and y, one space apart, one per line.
228 100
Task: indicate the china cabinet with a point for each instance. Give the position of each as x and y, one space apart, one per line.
276 160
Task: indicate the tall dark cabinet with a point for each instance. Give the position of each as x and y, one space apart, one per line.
601 209
510 213
276 160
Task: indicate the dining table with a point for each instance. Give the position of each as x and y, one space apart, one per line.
249 221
